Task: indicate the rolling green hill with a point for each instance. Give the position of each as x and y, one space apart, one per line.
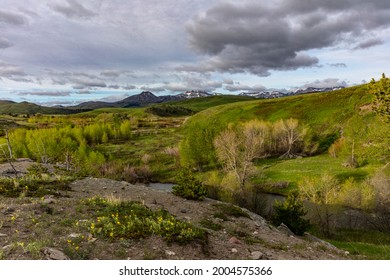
327 110
329 115
200 104
22 108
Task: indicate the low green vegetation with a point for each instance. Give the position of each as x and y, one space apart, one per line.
132 220
362 244
291 213
189 187
32 186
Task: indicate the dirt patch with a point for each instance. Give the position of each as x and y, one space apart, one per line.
29 226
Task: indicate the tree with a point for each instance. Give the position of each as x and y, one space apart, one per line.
236 148
324 193
381 91
291 213
290 136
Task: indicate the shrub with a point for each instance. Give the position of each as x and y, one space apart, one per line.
188 186
291 213
169 111
133 220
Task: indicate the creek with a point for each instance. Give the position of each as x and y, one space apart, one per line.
337 215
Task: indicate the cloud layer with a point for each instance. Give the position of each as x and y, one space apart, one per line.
257 37
59 48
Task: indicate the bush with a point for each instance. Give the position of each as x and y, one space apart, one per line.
188 186
169 111
291 213
133 220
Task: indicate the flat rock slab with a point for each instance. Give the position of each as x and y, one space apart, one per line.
54 254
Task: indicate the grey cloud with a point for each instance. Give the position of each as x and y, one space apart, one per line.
240 87
12 18
78 80
10 71
73 10
228 81
329 82
21 79
249 36
153 89
84 91
129 87
111 73
114 98
45 93
338 65
82 84
4 43
177 87
369 43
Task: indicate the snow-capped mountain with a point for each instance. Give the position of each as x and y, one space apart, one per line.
193 94
264 94
276 94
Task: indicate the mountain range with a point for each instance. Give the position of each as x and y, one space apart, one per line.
277 94
144 98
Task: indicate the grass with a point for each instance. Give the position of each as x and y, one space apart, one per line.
200 104
295 170
362 244
360 250
225 210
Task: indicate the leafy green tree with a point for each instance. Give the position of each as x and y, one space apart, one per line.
196 149
381 90
291 213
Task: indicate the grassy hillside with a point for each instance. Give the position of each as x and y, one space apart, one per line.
22 108
200 104
328 116
328 110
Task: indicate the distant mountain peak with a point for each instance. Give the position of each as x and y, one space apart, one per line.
194 94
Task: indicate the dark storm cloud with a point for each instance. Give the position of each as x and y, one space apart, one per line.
73 10
12 18
249 36
369 43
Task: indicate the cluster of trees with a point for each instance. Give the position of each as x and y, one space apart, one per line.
381 91
238 146
70 145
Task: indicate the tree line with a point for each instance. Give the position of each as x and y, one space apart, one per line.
73 146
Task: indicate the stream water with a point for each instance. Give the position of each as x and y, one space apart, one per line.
339 216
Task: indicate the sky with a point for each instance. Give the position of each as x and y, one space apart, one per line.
67 51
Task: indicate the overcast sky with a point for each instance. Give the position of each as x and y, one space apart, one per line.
68 51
